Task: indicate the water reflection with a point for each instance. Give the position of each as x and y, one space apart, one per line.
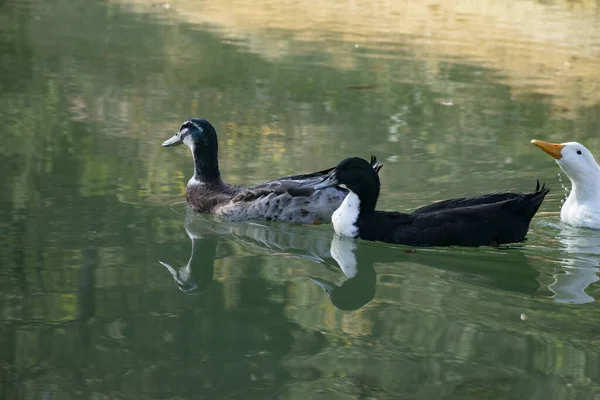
506 269
579 267
197 275
214 238
357 288
86 301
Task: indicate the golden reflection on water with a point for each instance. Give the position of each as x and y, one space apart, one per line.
551 49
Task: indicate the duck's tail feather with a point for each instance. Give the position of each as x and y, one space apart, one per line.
517 214
375 164
536 198
540 189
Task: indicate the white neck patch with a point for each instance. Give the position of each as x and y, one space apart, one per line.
188 140
345 217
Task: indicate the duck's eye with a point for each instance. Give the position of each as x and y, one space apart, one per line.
579 152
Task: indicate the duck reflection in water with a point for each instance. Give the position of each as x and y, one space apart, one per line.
357 288
212 239
505 269
197 275
579 268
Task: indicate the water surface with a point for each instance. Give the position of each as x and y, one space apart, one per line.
110 288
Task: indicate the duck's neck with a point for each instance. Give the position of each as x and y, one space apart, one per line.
206 165
353 209
586 189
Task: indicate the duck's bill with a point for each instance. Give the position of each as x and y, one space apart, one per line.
174 141
324 284
554 149
330 181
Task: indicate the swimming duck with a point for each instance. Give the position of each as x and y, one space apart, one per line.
290 198
489 219
582 208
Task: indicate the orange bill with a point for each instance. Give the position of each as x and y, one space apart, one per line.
551 148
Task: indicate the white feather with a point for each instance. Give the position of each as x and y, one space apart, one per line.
345 217
582 207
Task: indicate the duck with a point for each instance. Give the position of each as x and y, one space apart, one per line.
487 220
582 207
290 198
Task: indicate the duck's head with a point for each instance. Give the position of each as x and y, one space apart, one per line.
196 133
356 175
574 159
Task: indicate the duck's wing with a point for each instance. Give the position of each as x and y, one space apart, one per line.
312 175
488 198
285 200
293 186
465 202
314 178
291 198
491 223
297 186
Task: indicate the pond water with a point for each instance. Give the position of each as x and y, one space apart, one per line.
111 288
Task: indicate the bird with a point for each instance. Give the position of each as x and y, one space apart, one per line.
290 198
486 220
582 207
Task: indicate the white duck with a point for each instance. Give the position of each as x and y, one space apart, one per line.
582 208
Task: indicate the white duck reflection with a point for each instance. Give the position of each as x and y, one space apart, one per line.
580 269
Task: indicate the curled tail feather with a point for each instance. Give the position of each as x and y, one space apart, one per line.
375 164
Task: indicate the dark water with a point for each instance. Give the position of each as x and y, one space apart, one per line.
110 289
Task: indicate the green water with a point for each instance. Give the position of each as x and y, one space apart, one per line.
91 205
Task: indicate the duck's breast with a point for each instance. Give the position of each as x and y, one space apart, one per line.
580 214
203 197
